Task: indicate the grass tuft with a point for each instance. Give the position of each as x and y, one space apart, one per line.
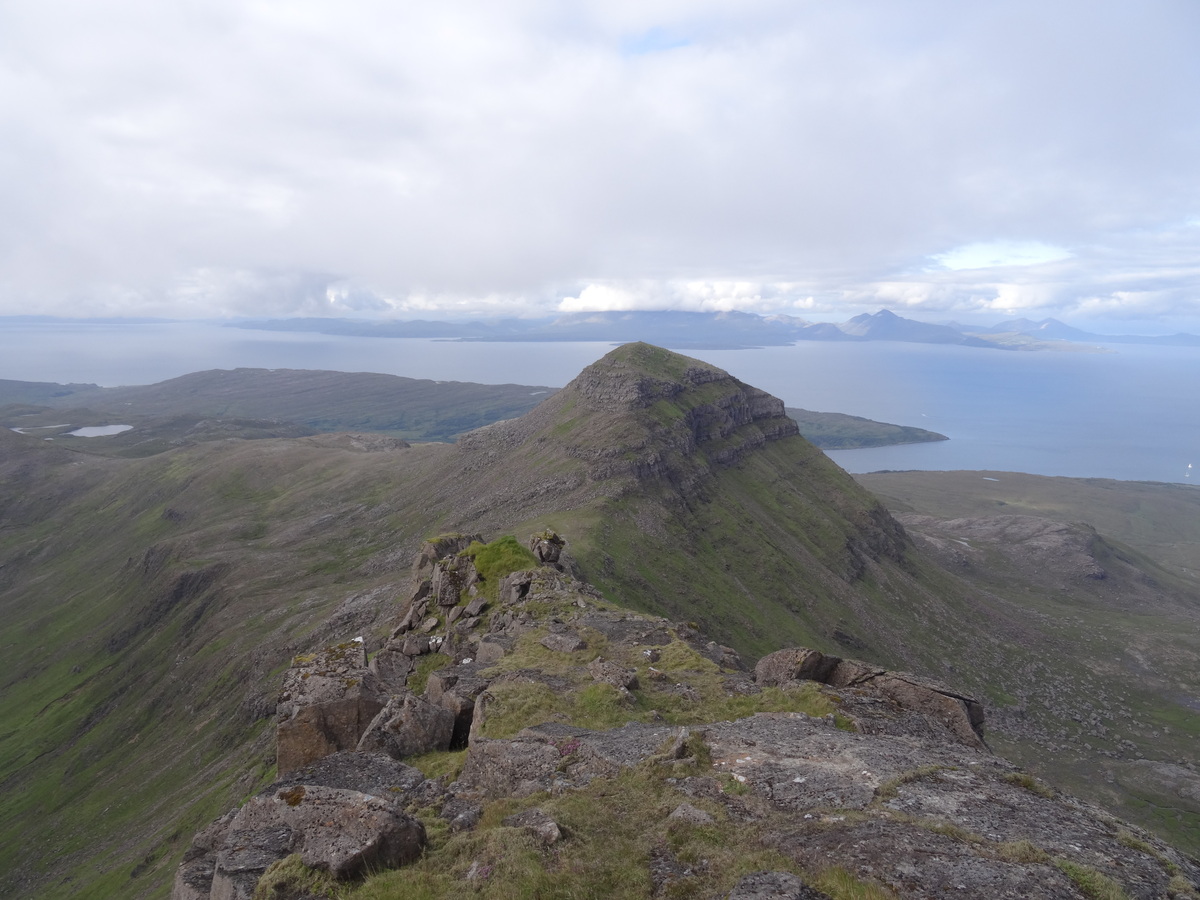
841 885
289 877
1092 884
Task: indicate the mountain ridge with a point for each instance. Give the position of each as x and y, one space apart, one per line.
150 605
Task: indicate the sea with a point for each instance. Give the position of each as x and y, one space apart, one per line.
1128 412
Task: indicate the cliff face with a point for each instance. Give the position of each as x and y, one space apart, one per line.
585 749
642 412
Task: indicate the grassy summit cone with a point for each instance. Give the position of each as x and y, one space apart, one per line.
691 494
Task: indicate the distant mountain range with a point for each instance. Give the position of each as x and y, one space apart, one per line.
693 330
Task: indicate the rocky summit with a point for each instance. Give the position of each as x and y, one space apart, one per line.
518 735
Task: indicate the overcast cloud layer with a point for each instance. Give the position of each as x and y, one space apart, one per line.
944 159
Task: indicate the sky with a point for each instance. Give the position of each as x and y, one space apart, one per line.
955 161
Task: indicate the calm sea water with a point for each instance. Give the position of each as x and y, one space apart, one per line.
1131 414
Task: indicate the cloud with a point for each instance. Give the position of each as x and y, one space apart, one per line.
993 254
381 158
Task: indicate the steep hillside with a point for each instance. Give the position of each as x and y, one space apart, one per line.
148 607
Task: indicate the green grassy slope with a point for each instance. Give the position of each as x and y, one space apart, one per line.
148 606
1117 715
410 408
1160 519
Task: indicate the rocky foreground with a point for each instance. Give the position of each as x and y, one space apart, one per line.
518 735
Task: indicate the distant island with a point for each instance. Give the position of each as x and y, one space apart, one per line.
838 431
724 330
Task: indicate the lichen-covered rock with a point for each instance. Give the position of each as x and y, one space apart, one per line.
608 672
376 774
450 578
344 832
441 547
328 699
563 642
794 664
392 666
962 716
408 726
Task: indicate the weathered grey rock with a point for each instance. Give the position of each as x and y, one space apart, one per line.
408 726
476 606
247 853
960 715
344 832
513 768
554 757
537 823
685 812
328 699
416 644
456 688
514 587
463 814
547 547
725 657
491 650
774 886
441 547
377 774
450 578
565 642
194 877
609 672
794 664
392 666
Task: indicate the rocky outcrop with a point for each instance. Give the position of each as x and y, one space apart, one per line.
962 717
344 814
845 764
682 408
409 726
328 700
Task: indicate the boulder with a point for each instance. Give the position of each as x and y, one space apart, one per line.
450 578
392 666
547 547
377 774
960 715
514 587
537 823
341 831
408 726
692 815
794 664
440 547
564 642
328 699
608 672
